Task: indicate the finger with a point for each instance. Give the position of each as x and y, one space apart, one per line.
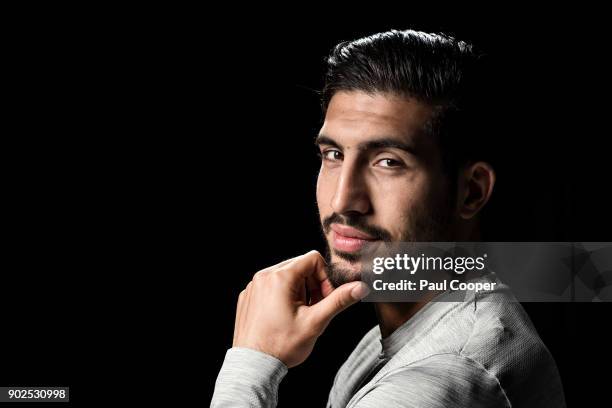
310 264
319 283
314 291
319 287
337 301
245 305
278 265
271 269
326 288
239 313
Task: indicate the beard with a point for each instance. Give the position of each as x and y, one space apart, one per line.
430 222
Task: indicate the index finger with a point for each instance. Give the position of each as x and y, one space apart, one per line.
314 272
310 265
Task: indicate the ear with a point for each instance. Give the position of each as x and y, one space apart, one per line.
476 188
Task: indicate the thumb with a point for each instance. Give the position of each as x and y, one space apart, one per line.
339 299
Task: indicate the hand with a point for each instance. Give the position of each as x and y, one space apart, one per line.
275 315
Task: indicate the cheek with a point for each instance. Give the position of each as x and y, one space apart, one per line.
397 203
395 211
323 191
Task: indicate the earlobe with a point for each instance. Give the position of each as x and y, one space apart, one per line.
478 182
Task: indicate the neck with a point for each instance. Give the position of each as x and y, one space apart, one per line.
392 315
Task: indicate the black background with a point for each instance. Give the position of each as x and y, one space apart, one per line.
157 159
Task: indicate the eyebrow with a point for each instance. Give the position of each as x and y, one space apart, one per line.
379 143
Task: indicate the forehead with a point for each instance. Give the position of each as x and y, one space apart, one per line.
354 116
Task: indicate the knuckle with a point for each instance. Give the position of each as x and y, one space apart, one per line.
278 274
341 302
314 257
314 254
281 270
241 298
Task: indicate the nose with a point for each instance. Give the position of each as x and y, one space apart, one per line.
351 195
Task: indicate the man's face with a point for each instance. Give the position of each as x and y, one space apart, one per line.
381 178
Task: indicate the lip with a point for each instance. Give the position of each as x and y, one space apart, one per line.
348 239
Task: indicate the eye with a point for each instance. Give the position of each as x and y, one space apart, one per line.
331 155
389 163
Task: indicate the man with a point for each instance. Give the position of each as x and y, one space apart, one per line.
402 160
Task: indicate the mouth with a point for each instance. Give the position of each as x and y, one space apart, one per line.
348 239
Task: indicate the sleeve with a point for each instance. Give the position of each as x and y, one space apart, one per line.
248 378
438 381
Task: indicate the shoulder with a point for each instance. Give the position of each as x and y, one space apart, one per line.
505 343
503 335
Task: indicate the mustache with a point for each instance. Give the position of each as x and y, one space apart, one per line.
356 222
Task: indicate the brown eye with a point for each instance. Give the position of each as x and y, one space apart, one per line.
332 155
389 163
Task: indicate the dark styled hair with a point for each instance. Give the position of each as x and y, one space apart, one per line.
436 69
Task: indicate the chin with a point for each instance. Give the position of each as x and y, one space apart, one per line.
353 267
340 271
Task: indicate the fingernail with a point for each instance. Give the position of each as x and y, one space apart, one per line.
359 291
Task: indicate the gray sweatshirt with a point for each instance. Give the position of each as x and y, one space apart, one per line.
481 352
